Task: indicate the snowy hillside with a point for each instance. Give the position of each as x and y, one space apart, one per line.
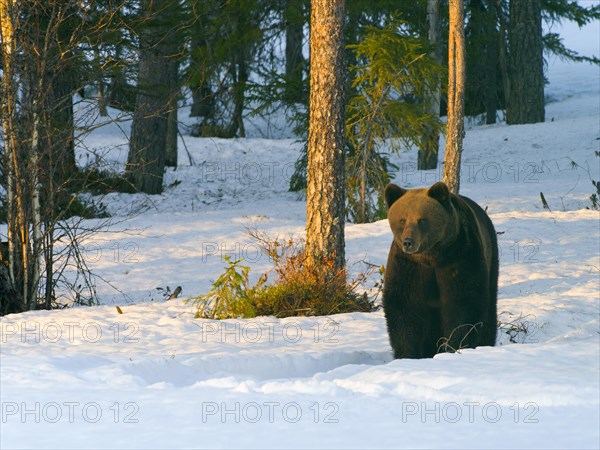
155 377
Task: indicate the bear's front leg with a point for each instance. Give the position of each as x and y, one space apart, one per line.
462 307
404 335
412 331
413 325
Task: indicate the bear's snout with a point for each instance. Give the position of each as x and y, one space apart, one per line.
408 245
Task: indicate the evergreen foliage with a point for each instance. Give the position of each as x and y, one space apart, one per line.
557 11
553 44
231 295
390 107
225 43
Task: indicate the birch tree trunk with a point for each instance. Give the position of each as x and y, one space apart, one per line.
455 129
17 217
325 194
36 217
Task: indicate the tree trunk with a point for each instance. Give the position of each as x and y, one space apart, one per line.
236 126
203 101
172 136
101 97
526 70
8 102
36 216
60 121
294 25
427 157
240 79
325 174
492 63
48 251
172 118
503 51
10 299
39 142
146 160
455 128
101 86
119 93
17 153
482 51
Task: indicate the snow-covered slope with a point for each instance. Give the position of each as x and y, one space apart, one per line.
155 377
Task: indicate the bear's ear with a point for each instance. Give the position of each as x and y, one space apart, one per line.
393 193
439 191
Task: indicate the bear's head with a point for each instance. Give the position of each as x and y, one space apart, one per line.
421 218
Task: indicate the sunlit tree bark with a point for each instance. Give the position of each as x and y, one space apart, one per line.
455 128
325 178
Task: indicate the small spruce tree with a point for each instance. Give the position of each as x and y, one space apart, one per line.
393 75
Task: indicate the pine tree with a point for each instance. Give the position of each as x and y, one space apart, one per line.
325 178
482 37
175 43
200 71
526 63
429 145
147 147
455 128
225 43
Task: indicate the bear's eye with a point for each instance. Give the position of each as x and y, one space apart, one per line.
402 222
422 222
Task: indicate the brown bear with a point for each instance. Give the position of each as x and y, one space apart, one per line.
441 279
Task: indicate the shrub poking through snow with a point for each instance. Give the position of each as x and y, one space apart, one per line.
230 295
295 289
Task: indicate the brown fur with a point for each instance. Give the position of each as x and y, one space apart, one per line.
442 272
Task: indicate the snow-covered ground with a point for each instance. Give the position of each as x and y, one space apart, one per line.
155 377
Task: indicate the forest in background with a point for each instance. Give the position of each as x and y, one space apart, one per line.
229 60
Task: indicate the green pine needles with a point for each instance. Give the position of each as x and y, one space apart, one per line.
389 109
230 296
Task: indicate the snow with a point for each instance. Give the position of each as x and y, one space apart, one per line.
155 377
